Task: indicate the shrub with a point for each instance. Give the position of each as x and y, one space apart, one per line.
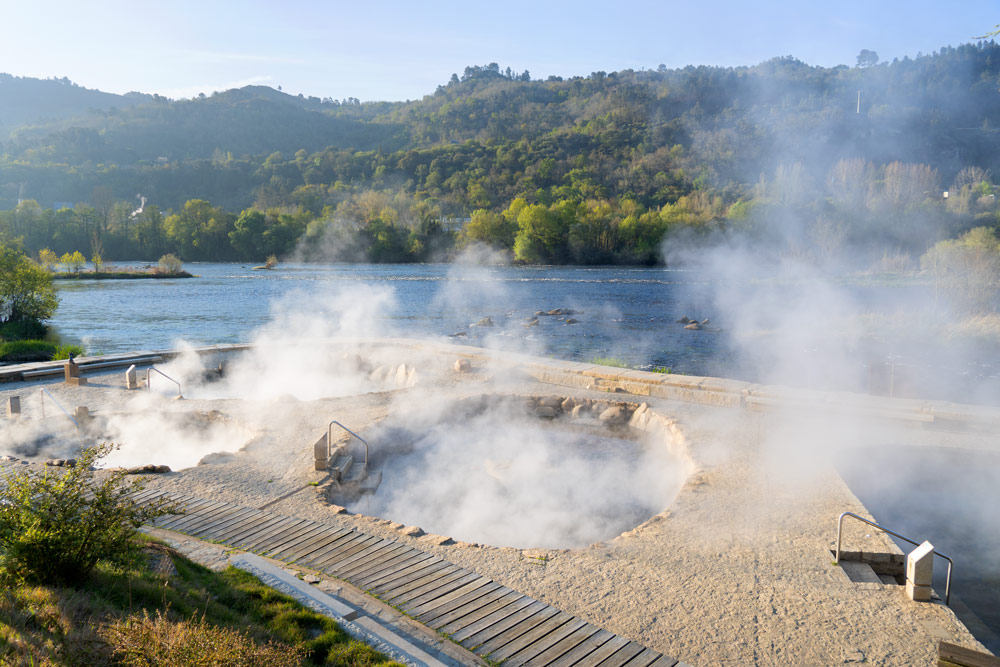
23 330
55 526
23 351
63 351
169 263
158 640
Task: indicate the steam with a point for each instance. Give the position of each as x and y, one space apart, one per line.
501 478
145 435
142 204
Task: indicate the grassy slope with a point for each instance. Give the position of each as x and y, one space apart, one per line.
189 615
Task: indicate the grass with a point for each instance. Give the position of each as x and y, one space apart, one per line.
610 361
22 351
169 610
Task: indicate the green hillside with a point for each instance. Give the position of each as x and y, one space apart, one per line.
584 169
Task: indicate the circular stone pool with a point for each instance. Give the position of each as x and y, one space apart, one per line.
521 472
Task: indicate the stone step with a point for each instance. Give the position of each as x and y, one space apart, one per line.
889 580
342 464
859 572
356 473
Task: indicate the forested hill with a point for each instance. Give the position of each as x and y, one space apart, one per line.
24 100
615 159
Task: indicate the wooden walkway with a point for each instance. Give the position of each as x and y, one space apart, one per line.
491 620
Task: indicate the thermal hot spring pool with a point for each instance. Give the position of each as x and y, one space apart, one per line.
178 439
523 472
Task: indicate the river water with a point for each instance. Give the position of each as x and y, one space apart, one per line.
629 314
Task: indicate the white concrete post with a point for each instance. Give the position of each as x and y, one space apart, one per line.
920 571
131 381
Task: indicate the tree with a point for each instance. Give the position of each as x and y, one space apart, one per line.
73 262
48 259
26 291
867 58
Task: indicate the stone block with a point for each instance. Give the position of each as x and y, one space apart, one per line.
917 593
14 407
920 565
131 378
77 381
71 370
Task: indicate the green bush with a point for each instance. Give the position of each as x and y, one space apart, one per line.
55 526
23 330
63 351
20 351
169 263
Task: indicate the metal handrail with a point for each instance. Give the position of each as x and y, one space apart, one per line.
42 393
329 440
154 368
840 526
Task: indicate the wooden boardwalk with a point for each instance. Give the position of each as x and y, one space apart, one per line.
491 620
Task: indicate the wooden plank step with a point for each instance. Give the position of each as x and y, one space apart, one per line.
581 650
546 642
435 589
320 547
254 537
279 536
251 526
306 536
191 520
537 636
558 649
645 658
469 607
389 575
350 561
492 631
515 631
477 587
509 601
396 552
336 555
953 654
420 577
228 520
496 617
603 652
623 655
246 521
665 661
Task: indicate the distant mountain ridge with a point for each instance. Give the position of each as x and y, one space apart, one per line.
28 101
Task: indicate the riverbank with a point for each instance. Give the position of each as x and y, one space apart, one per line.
122 275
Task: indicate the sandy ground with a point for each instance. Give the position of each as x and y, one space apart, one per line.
737 570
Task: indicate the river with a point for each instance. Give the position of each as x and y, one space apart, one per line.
629 314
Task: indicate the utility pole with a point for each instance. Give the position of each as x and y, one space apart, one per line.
859 102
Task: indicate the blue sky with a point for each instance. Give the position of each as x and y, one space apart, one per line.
404 50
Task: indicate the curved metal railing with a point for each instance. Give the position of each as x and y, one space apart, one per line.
329 440
42 393
840 526
154 368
